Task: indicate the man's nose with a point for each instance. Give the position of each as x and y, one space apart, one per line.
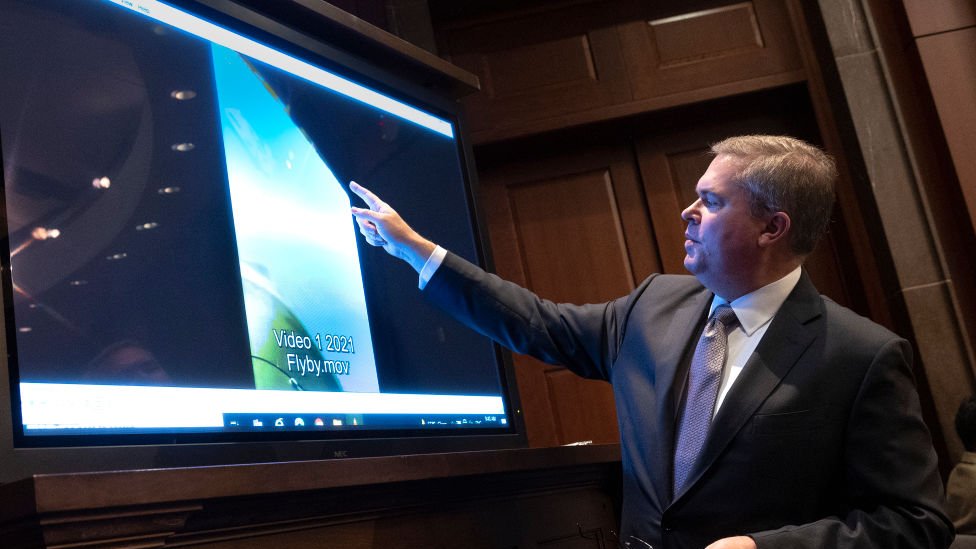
688 214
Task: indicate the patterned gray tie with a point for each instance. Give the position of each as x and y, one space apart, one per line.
704 378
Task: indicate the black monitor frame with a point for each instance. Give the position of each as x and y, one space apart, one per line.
386 64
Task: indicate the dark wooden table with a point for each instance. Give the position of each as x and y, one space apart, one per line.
506 498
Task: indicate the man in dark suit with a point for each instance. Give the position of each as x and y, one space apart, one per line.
786 422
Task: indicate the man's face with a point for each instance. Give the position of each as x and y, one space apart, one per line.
722 238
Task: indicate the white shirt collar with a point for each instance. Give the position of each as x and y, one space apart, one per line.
757 308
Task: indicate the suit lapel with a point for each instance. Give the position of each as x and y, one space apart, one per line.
685 322
782 346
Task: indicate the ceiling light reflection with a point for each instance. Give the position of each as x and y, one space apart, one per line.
169 190
147 226
43 233
101 182
182 95
182 147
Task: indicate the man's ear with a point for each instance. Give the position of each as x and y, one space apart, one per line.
776 230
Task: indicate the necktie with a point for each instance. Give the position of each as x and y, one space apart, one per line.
703 381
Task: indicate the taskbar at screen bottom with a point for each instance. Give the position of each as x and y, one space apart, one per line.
51 408
290 422
322 422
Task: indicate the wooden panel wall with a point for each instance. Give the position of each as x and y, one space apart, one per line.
949 63
569 224
532 67
936 16
570 63
705 48
945 34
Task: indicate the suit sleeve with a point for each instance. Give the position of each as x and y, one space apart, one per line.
893 486
584 338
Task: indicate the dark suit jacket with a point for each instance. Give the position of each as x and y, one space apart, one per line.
820 442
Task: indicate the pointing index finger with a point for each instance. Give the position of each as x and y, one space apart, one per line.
368 197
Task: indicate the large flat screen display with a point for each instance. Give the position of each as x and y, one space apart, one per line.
180 260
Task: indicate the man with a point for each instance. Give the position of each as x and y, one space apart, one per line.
786 422
961 489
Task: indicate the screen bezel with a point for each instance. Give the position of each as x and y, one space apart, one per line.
56 453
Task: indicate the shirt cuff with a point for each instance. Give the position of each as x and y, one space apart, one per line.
433 263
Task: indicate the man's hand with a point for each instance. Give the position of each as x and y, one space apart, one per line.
382 226
738 542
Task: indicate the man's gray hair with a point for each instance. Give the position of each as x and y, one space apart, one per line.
784 174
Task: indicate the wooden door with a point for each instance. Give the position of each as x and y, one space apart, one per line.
572 226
